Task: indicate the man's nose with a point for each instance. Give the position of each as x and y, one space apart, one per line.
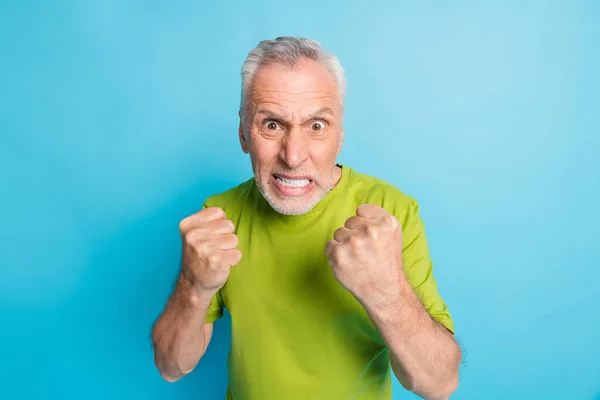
294 150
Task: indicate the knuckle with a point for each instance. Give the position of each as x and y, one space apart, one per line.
213 210
201 247
237 255
222 226
227 226
355 241
230 225
372 231
391 221
183 224
335 252
189 237
213 260
218 213
337 235
339 254
397 224
229 241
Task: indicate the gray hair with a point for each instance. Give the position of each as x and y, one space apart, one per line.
287 51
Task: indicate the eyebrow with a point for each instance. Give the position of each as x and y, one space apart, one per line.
319 113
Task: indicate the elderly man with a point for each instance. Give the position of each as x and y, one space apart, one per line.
325 271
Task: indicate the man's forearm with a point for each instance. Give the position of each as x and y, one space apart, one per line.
423 354
178 336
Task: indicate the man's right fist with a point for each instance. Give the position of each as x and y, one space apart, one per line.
209 248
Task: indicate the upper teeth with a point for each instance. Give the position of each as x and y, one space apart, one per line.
293 182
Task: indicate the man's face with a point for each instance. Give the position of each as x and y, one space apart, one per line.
294 134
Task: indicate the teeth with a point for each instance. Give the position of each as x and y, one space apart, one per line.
295 183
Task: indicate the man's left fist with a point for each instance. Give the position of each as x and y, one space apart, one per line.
366 254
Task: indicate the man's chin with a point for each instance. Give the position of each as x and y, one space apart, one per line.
289 205
292 205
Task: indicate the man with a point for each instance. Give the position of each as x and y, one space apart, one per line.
325 271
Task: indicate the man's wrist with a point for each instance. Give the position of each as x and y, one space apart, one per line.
192 295
398 302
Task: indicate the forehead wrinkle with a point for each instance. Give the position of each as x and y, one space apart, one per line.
272 101
279 94
288 105
295 115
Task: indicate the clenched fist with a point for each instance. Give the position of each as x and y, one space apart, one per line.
366 254
209 248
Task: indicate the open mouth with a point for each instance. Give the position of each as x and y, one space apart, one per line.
293 186
292 183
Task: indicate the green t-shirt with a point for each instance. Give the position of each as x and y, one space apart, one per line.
296 332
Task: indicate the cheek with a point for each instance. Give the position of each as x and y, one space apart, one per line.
263 152
324 152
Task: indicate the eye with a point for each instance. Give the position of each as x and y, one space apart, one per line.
317 126
271 125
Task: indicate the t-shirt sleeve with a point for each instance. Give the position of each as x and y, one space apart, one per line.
215 309
418 266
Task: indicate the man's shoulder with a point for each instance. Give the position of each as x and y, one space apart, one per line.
230 197
373 190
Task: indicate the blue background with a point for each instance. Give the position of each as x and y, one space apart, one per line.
118 118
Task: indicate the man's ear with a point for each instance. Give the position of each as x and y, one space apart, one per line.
341 143
339 149
243 141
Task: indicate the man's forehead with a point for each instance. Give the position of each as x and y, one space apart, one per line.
291 90
306 76
310 111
